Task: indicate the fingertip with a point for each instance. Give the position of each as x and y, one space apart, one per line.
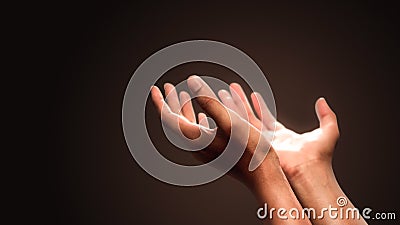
168 88
320 101
236 87
194 83
193 76
254 99
203 120
167 85
201 115
254 96
325 114
155 91
184 97
158 98
321 107
223 93
234 84
233 92
184 94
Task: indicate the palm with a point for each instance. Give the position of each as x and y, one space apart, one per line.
292 148
178 114
296 149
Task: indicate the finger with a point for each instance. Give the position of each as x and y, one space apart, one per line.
172 97
223 117
203 120
262 110
209 103
227 100
187 107
174 121
245 105
158 98
238 102
327 118
239 91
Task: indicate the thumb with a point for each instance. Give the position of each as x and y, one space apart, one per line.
327 118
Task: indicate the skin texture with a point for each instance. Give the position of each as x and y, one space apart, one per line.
267 182
299 161
305 158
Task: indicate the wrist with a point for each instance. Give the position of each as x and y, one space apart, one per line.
316 187
315 184
267 174
272 188
312 169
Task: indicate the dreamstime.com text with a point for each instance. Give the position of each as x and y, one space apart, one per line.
340 212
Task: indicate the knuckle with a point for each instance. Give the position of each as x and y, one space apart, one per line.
206 102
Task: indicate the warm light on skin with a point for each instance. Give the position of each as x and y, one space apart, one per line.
288 160
287 140
232 125
300 152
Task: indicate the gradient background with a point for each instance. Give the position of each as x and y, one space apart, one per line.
346 52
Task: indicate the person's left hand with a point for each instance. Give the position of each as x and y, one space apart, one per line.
229 125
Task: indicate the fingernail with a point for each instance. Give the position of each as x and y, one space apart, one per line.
235 84
223 94
184 95
194 83
323 100
166 85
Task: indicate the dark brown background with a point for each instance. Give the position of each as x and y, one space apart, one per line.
346 52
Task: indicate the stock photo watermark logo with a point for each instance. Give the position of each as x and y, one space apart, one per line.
134 105
340 211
